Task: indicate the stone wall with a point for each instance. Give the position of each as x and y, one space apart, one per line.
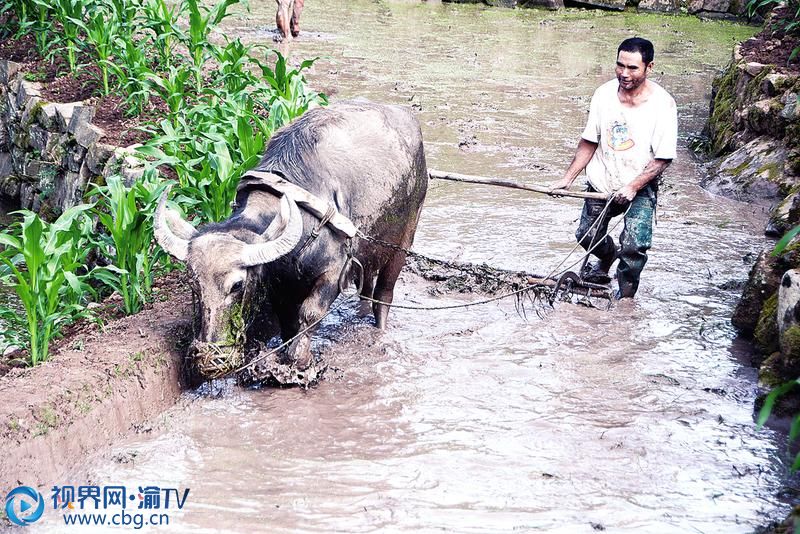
754 135
51 152
724 9
754 130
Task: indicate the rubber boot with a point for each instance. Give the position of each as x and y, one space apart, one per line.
597 272
627 289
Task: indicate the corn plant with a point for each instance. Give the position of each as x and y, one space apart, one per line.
232 73
201 21
101 30
125 14
213 182
172 88
42 27
208 163
69 13
132 71
42 264
20 10
162 19
126 215
290 96
25 12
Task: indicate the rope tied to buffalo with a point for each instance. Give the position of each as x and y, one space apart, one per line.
354 270
536 285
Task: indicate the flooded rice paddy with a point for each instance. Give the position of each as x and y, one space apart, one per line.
637 419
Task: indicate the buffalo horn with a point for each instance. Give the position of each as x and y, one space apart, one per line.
282 235
176 244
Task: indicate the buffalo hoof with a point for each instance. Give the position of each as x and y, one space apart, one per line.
299 352
364 309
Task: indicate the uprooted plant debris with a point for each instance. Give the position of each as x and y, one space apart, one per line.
268 368
459 277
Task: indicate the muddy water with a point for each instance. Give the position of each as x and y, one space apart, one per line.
638 419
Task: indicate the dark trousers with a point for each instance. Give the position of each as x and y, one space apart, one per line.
635 240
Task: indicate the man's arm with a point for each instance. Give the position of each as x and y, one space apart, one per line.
583 155
651 171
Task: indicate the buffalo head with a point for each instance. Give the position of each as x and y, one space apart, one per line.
222 260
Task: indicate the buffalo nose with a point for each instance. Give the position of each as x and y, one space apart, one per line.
194 348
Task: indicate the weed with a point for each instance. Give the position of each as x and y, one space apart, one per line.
49 416
35 76
83 406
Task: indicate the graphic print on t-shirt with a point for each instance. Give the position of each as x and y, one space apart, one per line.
618 136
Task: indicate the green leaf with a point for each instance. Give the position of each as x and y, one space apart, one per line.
781 245
9 241
769 402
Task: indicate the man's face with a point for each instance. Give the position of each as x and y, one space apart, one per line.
631 70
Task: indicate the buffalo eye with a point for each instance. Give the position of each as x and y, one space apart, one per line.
237 287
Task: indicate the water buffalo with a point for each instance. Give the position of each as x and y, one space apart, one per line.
288 18
257 268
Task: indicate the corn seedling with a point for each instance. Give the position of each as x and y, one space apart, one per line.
25 17
69 13
101 30
210 148
42 263
232 73
125 14
126 215
162 19
290 95
201 21
133 72
172 88
43 27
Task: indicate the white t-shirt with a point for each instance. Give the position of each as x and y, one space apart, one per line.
628 138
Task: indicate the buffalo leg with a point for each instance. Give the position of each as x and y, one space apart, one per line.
384 287
367 290
296 12
316 305
282 18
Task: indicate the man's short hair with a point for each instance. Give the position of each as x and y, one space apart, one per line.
637 44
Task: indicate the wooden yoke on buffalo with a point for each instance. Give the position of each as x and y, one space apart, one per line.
321 209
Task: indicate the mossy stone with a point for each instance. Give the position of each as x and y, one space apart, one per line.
769 374
790 346
766 332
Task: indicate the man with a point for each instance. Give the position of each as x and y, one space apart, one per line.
288 18
629 140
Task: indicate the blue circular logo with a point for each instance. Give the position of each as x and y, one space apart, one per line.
29 509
